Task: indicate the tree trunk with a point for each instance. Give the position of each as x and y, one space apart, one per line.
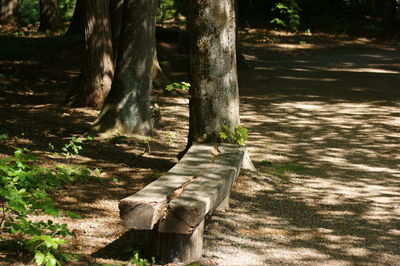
49 15
97 72
8 9
76 26
241 61
160 81
389 15
127 107
116 9
214 96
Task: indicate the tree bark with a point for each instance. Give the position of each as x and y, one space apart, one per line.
214 96
76 26
389 15
8 9
97 72
49 15
160 81
127 107
241 61
116 10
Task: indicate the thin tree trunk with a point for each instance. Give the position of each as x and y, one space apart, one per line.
8 10
214 96
160 81
127 107
49 15
241 61
116 10
76 26
389 15
97 72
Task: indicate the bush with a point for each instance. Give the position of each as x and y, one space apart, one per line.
28 12
24 192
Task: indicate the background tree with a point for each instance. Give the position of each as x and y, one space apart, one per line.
214 96
49 15
8 10
116 10
76 26
389 15
127 107
97 72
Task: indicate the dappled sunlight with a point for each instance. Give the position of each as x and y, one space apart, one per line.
362 70
328 187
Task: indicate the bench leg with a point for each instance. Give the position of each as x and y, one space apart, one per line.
224 204
179 247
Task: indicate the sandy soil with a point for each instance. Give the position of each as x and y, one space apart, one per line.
324 125
325 136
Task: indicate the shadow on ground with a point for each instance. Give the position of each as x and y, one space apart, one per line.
324 132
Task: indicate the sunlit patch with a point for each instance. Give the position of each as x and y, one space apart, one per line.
306 78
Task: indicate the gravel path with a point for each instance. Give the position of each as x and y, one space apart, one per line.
325 136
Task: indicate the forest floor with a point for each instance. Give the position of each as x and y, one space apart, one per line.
323 112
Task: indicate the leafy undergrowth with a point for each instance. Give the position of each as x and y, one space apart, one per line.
25 194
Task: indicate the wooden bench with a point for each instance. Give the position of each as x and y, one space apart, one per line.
176 205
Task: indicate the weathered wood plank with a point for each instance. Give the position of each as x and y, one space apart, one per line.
207 191
143 209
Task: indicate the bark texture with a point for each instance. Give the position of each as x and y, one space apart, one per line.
49 15
241 61
98 66
76 26
8 9
116 9
127 107
389 15
160 81
214 92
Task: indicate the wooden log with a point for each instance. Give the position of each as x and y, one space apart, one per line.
185 248
207 191
143 209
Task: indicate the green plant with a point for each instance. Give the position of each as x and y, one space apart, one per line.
97 172
239 136
24 192
4 136
146 142
178 85
266 162
72 147
171 137
29 12
166 10
67 8
289 14
289 168
136 260
70 173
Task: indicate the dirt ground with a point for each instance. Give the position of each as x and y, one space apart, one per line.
324 119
